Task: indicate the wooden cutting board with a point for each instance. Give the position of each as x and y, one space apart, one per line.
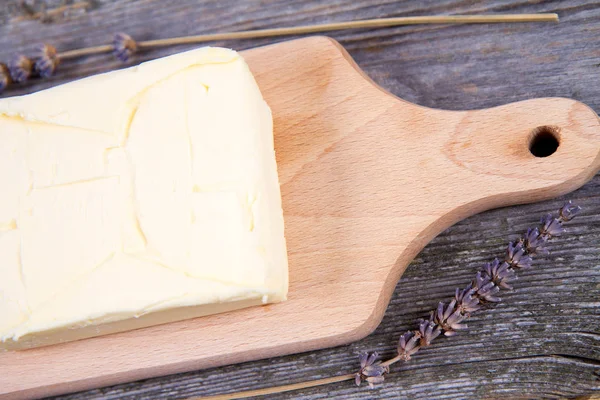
367 181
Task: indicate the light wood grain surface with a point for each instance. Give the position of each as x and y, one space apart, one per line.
543 340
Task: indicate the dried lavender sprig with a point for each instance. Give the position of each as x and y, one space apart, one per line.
448 317
370 370
534 242
494 276
516 255
466 301
47 61
499 273
428 331
5 78
568 212
408 345
20 68
124 46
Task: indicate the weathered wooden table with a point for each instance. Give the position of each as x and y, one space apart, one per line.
543 340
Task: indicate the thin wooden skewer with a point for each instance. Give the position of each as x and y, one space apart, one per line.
361 24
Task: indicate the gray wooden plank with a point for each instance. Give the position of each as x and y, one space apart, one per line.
543 340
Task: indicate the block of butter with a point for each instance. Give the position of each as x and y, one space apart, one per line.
138 197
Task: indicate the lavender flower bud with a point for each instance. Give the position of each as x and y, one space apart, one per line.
357 379
124 46
428 331
499 273
449 318
485 289
534 242
369 370
568 211
21 68
465 300
408 345
47 61
552 227
515 256
5 78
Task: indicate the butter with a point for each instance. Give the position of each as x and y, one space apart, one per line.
138 197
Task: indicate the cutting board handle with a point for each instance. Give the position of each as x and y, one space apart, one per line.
522 152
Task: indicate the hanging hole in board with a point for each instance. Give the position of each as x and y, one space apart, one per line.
544 140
